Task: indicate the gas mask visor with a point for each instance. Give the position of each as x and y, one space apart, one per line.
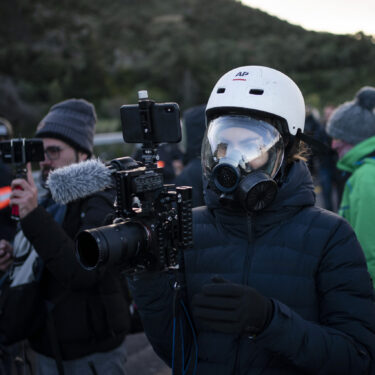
240 157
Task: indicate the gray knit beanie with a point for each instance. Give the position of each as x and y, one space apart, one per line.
354 121
72 121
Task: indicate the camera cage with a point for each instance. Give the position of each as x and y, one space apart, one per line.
162 212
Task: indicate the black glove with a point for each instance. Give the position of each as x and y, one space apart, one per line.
232 308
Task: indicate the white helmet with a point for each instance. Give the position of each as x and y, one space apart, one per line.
262 89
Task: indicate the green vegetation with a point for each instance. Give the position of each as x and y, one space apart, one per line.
105 51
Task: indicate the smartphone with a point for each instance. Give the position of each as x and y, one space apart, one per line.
165 123
21 150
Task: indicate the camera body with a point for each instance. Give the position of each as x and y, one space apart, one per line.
20 151
152 221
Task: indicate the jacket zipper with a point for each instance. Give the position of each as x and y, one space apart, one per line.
245 281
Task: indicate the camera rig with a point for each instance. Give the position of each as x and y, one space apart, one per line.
18 152
152 221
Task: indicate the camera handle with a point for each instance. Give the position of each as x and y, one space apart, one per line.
15 215
180 364
21 172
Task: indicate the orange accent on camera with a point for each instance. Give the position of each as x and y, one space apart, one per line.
160 164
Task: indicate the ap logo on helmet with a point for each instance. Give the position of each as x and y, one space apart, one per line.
240 76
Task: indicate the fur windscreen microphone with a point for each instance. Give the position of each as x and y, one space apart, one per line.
79 180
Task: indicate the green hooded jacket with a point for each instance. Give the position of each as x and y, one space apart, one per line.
358 200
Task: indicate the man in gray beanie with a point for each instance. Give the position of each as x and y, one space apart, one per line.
72 122
90 311
352 128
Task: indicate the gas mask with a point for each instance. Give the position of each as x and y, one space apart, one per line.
240 158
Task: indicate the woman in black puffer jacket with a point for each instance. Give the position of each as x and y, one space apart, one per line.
274 285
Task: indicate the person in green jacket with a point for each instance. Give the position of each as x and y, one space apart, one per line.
352 128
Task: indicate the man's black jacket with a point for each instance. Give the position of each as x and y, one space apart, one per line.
91 313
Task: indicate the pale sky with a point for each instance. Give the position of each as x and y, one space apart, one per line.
335 16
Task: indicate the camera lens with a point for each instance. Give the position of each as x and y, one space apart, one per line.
111 245
88 245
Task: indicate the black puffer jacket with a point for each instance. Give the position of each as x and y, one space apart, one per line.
91 313
306 259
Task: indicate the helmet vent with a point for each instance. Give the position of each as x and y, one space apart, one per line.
221 90
256 91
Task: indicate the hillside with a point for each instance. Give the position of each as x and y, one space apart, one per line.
106 51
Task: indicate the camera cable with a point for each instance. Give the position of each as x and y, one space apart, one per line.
178 351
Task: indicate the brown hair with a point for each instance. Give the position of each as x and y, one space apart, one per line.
300 151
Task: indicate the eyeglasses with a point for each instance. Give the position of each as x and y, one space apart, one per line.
53 152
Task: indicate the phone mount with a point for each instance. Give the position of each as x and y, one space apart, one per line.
149 146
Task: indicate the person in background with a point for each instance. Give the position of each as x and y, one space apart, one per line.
352 128
332 177
273 284
90 317
313 127
191 175
7 225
